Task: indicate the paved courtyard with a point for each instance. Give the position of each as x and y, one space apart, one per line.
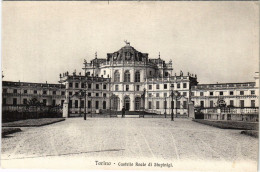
77 143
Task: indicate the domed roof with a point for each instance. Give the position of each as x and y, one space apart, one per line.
127 53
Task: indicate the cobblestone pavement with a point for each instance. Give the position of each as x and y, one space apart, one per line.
181 142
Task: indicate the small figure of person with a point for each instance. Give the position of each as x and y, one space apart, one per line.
123 112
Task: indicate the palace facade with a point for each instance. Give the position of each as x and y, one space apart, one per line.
129 78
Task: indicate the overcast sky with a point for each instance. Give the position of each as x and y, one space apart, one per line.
218 41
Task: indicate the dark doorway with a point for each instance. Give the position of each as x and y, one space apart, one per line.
127 103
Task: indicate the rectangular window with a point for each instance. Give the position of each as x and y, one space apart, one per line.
97 104
76 104
82 85
201 103
89 94
165 94
24 101
104 95
184 104
252 103
82 103
15 90
104 87
44 101
157 105
53 102
25 91
150 94
4 90
70 93
150 87
157 86
192 93
76 85
184 93
221 93
184 85
165 104
82 93
137 87
44 92
165 86
178 105
97 86
211 93
104 72
70 104
231 102
70 85
242 103
201 93
104 104
89 85
127 87
116 87
62 102
241 92
252 92
63 93
211 104
54 92
35 92
157 94
97 94
89 104
231 93
150 105
4 101
178 85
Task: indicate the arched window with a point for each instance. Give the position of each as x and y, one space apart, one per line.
117 76
137 103
137 76
127 76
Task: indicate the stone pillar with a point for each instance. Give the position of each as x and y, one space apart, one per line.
121 101
65 113
191 110
132 102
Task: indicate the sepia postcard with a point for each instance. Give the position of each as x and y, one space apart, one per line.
130 85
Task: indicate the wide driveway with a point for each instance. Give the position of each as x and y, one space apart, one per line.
110 143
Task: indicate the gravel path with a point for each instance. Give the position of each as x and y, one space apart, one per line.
78 143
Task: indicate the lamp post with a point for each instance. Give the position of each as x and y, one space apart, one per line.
176 95
165 106
143 96
172 94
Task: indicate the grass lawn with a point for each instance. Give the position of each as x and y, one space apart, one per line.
6 131
32 122
230 124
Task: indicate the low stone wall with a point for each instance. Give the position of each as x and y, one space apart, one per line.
230 124
232 117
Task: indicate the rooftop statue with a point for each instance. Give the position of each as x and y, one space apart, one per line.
127 43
